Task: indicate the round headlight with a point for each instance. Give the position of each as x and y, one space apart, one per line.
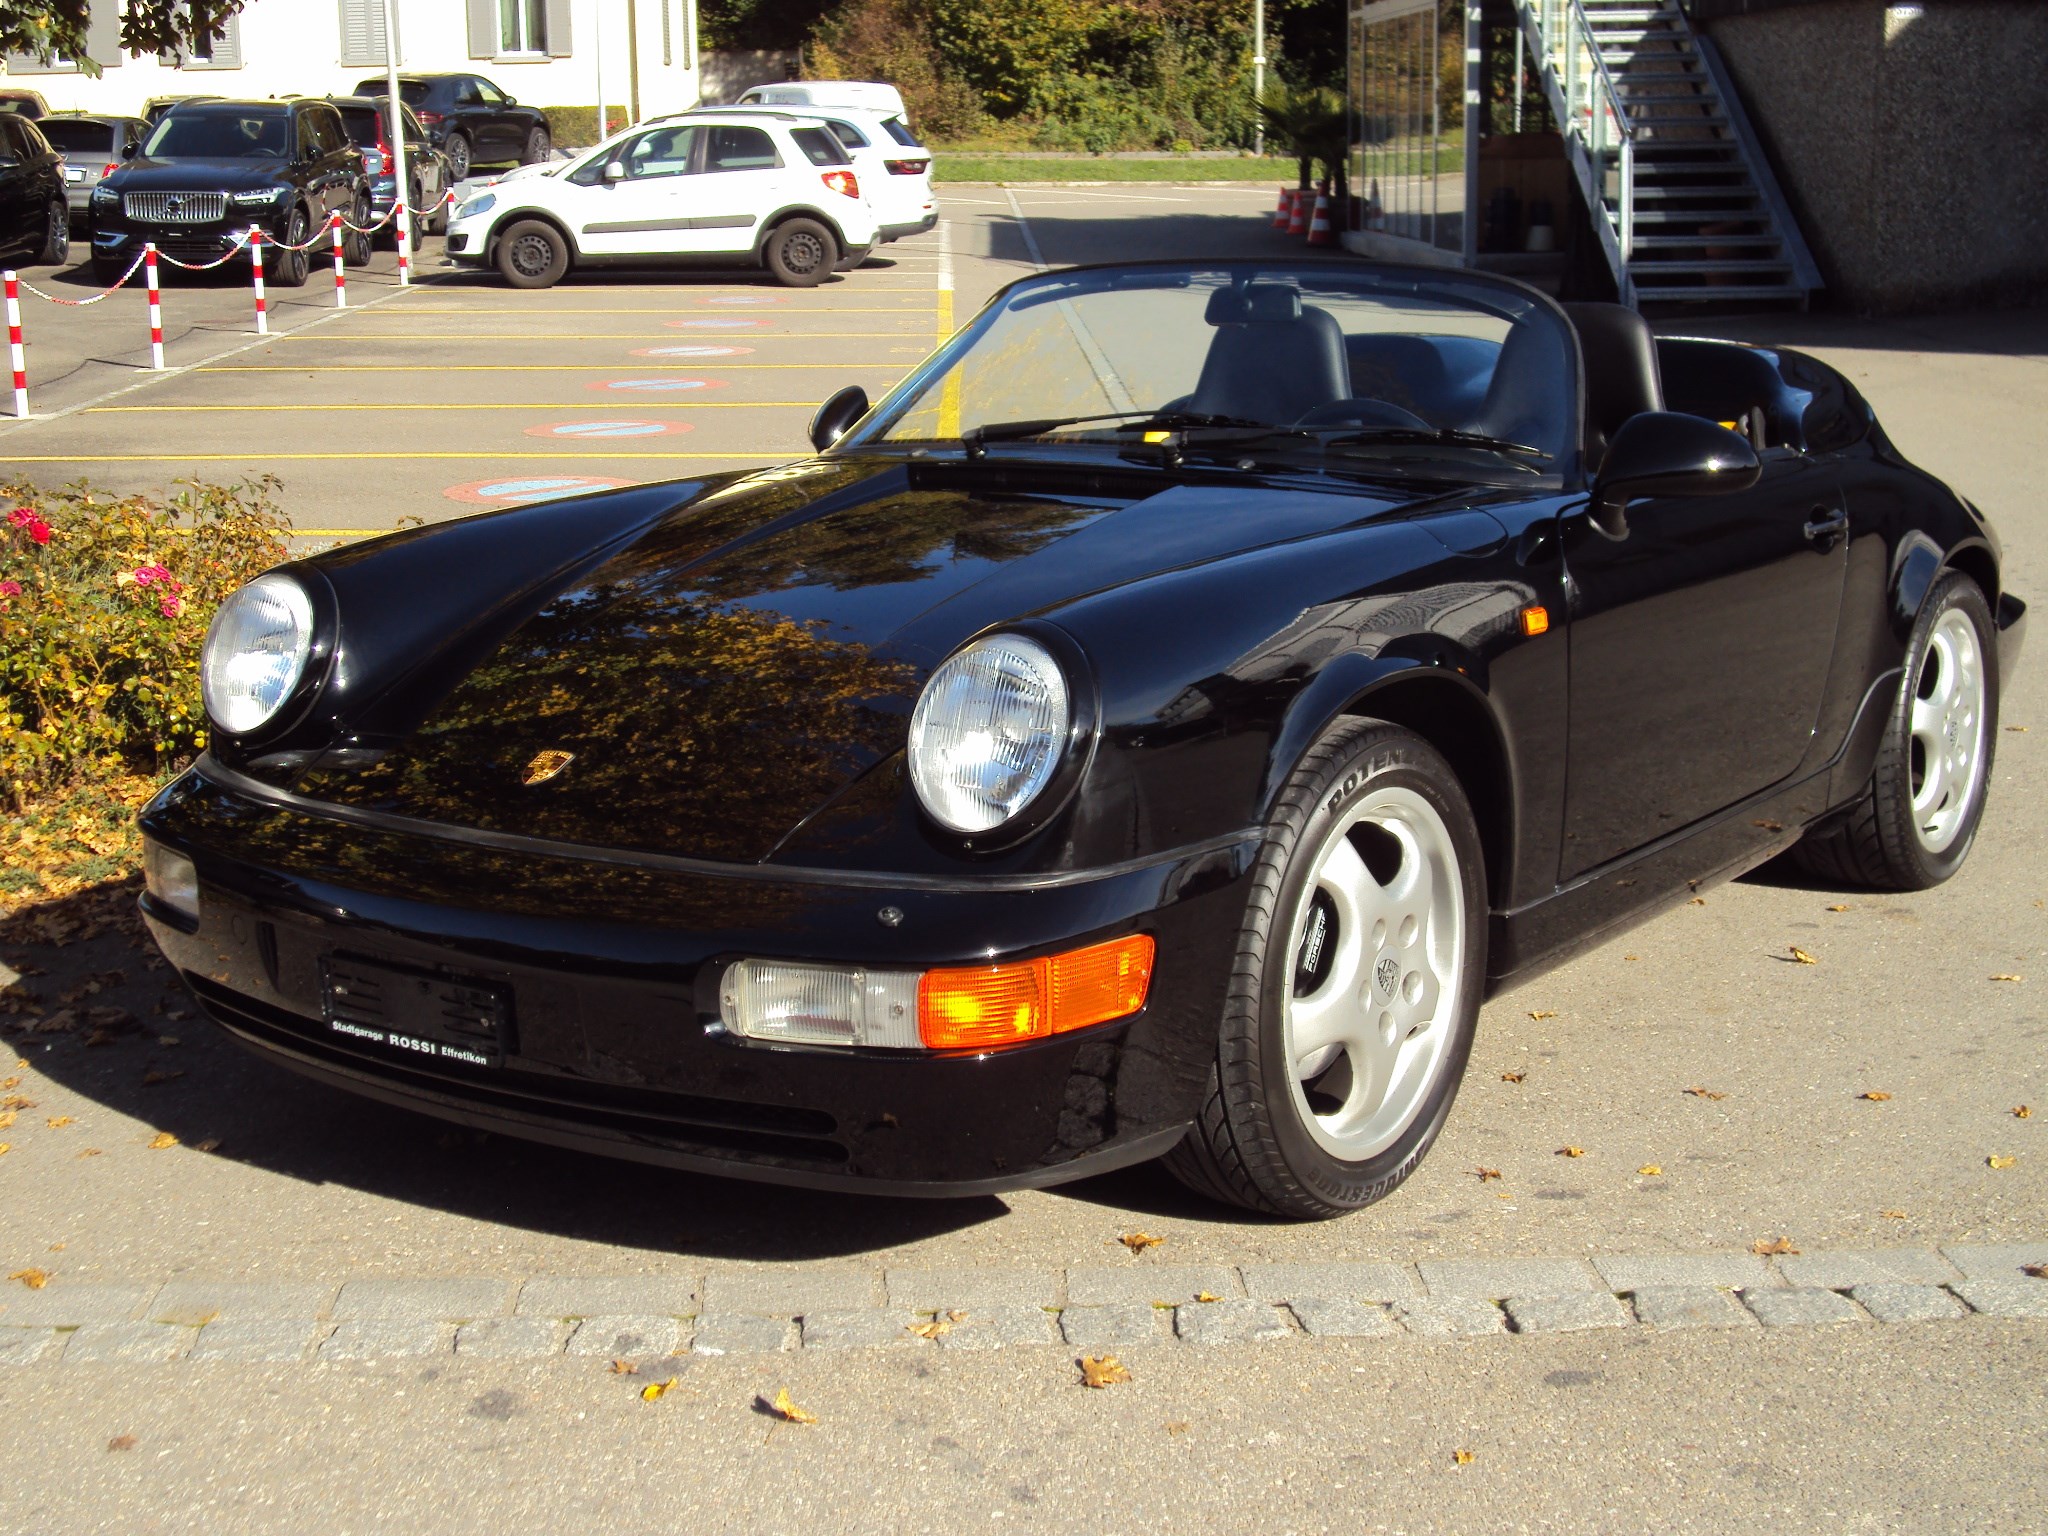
988 732
255 652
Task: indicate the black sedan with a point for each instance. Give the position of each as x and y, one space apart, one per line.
1150 731
211 170
471 120
367 120
35 224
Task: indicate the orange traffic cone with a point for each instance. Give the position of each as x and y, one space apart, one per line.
1319 232
1297 213
1280 214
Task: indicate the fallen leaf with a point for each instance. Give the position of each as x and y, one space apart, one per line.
1893 1215
790 1412
161 1140
2004 976
2038 1271
2022 1112
1705 1093
156 1075
1542 1013
2017 730
1628 957
2000 1162
1571 1151
1176 1426
1138 1242
1840 906
1876 1096
57 1122
16 1101
939 1323
90 1152
625 1368
1650 1170
1774 1245
654 1389
1102 1371
57 1247
1207 1296
1768 825
1512 1077
1801 957
34 1279
121 1443
1486 1173
1461 1458
12 1082
210 1144
6 1147
166 1040
1699 901
6 1120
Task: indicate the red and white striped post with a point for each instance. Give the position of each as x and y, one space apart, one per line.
156 309
14 343
256 269
403 215
340 275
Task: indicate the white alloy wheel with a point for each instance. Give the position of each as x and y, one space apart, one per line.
1947 722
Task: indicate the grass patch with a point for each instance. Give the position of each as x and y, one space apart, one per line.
956 168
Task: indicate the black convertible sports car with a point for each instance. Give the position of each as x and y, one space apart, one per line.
1149 731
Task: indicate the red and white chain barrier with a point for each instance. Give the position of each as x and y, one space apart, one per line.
14 343
156 309
106 292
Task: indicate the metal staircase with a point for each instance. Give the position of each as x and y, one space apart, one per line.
1659 144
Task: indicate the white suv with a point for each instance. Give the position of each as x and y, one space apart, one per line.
720 189
894 169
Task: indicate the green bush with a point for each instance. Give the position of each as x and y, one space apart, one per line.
104 603
576 127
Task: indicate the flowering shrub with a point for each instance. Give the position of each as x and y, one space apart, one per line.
104 603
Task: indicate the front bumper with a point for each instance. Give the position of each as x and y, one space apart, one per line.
612 969
119 237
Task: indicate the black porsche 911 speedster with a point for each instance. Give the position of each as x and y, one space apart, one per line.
1149 731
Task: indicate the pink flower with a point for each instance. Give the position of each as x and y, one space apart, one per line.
145 574
39 530
10 589
21 517
172 605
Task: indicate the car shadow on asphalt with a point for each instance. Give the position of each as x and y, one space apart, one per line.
137 1045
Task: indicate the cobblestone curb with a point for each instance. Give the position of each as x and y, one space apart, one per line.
744 1309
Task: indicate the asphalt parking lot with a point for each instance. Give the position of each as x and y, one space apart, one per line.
1720 1094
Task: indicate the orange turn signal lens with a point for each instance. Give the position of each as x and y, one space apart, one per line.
1535 620
987 1006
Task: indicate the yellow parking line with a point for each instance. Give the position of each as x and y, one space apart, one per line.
539 405
713 364
269 458
679 311
681 339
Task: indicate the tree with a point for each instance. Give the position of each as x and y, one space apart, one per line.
45 28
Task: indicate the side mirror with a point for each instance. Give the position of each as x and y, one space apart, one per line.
511 101
615 170
130 151
1664 453
837 415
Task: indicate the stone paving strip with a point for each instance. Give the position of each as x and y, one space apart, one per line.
743 1309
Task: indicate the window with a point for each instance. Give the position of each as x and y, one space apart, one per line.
202 135
328 136
222 52
10 139
362 34
102 43
518 29
819 147
489 94
662 152
522 26
79 138
849 135
741 149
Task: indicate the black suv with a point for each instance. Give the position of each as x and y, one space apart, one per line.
367 121
34 226
210 170
470 119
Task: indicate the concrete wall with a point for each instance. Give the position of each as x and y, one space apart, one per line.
1911 138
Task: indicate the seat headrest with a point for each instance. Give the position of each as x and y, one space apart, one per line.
1620 356
1257 304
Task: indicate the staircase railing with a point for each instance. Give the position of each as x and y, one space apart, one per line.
1594 119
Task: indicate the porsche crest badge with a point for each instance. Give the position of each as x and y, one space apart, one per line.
546 765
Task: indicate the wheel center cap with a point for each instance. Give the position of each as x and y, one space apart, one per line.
1386 974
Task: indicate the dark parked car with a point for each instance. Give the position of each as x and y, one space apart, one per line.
35 226
1150 731
367 121
153 110
27 103
93 149
210 170
472 120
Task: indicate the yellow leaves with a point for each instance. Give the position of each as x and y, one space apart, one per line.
1102 1371
1800 956
938 1323
161 1140
16 1101
34 1279
1876 1096
12 1082
788 1411
1461 1458
1698 901
654 1391
1651 1171
1995 1161
1206 1296
1138 1242
1571 1151
1512 1077
1176 1426
1893 1215
122 1443
90 1152
1542 1013
1768 825
1769 1246
57 1122
2005 976
1705 1093
2022 1112
1840 906
6 1147
1484 1174
6 1120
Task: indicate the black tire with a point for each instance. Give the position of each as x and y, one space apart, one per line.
800 253
458 153
539 147
1250 1145
355 248
533 254
56 248
293 266
1881 842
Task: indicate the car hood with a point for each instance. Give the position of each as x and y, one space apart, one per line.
236 175
751 653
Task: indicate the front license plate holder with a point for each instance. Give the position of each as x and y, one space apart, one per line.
428 1015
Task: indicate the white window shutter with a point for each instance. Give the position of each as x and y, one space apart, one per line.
558 29
103 34
483 29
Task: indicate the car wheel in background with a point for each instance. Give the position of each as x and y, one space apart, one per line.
1918 816
1359 970
533 255
801 253
355 247
539 147
457 150
292 266
437 223
57 238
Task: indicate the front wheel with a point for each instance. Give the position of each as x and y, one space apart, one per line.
533 255
1916 819
1356 987
539 147
355 246
801 253
57 236
292 266
458 156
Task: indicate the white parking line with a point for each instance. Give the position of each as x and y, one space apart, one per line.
1024 229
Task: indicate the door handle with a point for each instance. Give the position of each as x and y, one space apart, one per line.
1828 523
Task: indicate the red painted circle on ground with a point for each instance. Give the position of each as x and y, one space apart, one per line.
516 490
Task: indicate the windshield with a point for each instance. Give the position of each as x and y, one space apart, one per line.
190 135
1323 359
77 137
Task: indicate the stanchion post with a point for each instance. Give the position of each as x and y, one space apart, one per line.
403 215
14 356
256 270
156 311
340 275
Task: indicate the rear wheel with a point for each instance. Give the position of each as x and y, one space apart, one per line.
355 246
539 147
457 151
57 236
801 253
533 255
437 223
292 266
1914 824
1356 985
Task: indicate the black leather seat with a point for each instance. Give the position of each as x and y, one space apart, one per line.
1622 379
1273 358
1524 403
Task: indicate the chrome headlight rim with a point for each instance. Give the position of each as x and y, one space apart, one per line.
299 698
1074 755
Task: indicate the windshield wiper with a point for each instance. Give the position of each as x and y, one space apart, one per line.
975 439
1450 436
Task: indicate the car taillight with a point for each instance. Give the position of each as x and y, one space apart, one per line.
429 118
907 167
109 168
845 183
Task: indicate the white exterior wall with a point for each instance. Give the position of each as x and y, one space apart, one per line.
294 47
